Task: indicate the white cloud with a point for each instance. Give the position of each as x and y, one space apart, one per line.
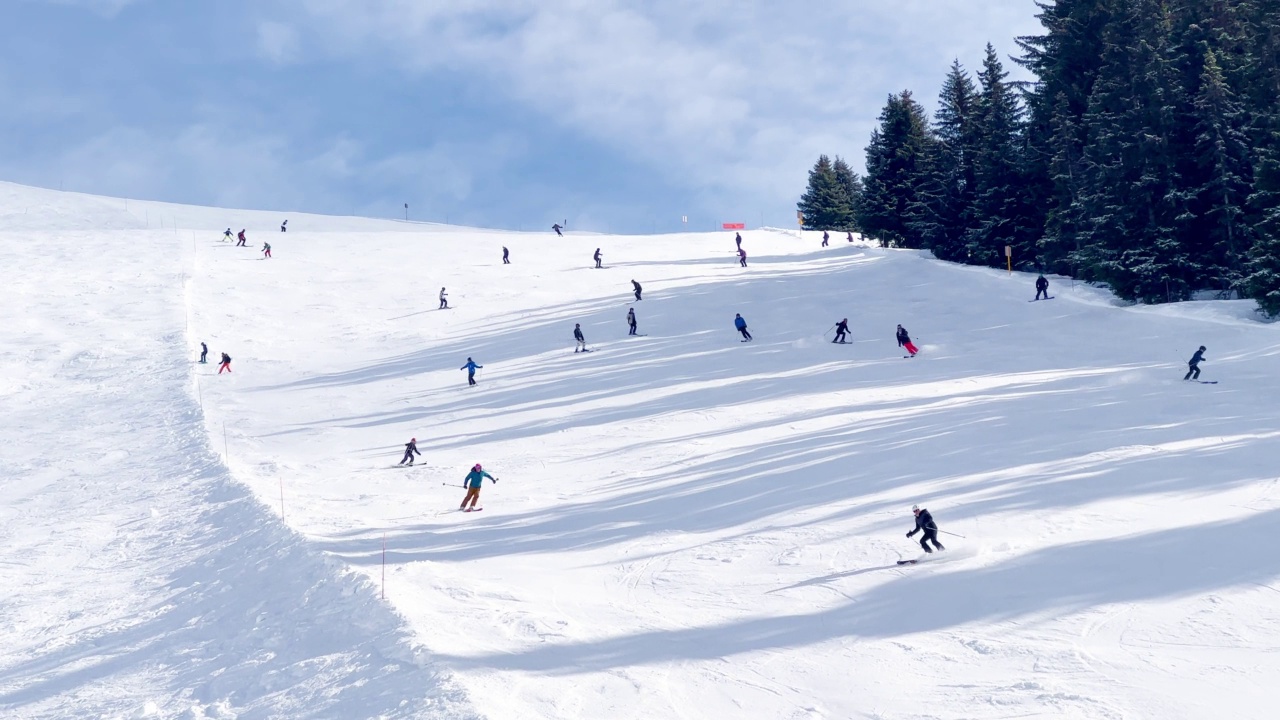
735 97
277 42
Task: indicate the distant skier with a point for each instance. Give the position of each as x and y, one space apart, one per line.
226 363
924 523
849 236
577 335
241 238
597 257
842 329
737 238
742 257
410 449
266 250
558 227
631 320
471 368
1193 365
284 226
825 238
904 341
506 255
444 300
1042 288
204 354
472 482
636 286
741 324
226 235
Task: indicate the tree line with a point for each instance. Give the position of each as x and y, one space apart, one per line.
1145 154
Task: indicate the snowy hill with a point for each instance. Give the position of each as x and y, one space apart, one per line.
685 525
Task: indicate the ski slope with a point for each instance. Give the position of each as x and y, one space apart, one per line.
685 525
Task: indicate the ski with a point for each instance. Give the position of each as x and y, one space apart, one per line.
1207 382
908 562
473 509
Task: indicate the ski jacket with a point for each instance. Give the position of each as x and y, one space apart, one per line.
924 521
631 317
471 367
1195 359
1041 283
842 326
476 479
596 256
742 253
240 235
412 447
577 335
739 323
635 285
226 358
903 337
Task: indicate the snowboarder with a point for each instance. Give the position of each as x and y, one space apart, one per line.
631 320
904 341
506 256
284 226
1042 288
410 449
636 286
577 335
737 238
204 354
842 329
597 257
924 522
471 368
825 238
558 227
741 324
444 302
742 257
266 250
472 483
226 363
1193 365
241 238
226 235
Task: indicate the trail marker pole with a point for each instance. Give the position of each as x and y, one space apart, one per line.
1008 256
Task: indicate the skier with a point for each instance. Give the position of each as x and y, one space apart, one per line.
842 329
505 253
904 341
472 483
737 238
284 226
924 522
240 236
849 236
1193 365
741 324
825 238
410 449
226 235
266 250
444 302
631 320
226 363
558 227
204 353
1042 288
742 257
471 368
636 286
597 257
577 335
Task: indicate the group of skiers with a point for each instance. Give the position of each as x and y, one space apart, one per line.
223 365
241 239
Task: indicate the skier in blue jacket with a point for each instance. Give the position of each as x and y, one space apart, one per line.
471 368
472 483
741 324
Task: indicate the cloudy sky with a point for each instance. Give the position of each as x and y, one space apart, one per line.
617 116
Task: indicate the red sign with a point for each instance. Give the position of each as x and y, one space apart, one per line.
735 226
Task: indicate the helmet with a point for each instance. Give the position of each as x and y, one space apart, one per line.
1202 347
915 508
477 467
413 439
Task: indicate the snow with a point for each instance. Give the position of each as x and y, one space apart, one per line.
685 526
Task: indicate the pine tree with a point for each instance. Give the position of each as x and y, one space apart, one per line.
1263 280
851 187
940 217
894 158
824 205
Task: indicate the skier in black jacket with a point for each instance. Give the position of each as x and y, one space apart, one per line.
842 329
1042 288
577 335
636 286
597 257
924 522
410 449
1193 365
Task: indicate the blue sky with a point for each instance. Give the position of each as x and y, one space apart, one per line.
617 116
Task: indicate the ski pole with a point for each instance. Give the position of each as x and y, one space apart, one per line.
944 532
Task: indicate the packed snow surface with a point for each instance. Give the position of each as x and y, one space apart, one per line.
684 525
